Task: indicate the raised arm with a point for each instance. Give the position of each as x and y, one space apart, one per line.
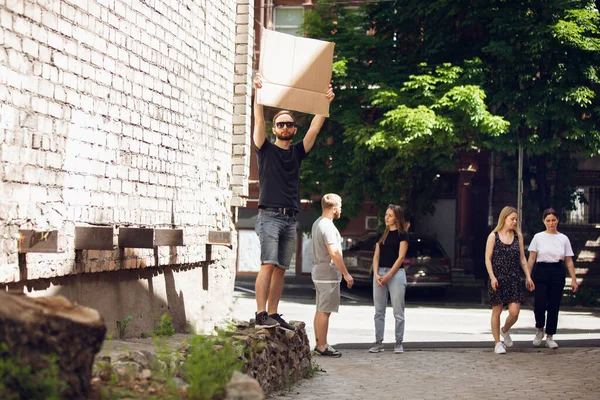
316 124
338 260
260 128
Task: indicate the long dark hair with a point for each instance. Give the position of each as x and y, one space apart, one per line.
550 211
399 214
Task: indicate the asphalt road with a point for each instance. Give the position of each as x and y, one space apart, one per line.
431 322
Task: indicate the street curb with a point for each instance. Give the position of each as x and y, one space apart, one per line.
519 346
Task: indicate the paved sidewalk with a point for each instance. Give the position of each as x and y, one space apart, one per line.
524 373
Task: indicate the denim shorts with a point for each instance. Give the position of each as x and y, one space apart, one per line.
277 235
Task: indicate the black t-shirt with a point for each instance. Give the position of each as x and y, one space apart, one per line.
279 175
388 251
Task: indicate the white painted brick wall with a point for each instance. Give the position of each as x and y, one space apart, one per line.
242 98
122 113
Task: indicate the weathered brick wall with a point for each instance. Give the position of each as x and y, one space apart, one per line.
242 102
121 113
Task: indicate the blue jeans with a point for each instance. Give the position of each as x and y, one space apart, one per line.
396 287
277 235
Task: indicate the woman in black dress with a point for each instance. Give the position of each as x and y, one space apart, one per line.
504 255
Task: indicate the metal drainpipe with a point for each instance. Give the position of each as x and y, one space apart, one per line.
520 188
269 14
262 13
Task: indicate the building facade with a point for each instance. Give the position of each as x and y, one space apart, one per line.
475 191
133 117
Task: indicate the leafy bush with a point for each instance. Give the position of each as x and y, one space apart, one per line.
313 370
585 296
18 381
165 326
209 365
122 325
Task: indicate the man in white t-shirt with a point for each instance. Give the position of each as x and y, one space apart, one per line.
328 269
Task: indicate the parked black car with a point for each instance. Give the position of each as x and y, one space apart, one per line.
426 263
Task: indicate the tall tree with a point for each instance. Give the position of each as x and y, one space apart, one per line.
542 72
411 78
396 122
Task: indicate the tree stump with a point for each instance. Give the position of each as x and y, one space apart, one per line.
35 328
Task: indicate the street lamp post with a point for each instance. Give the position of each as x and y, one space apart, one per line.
520 188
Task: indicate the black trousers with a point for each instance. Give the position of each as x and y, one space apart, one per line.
549 279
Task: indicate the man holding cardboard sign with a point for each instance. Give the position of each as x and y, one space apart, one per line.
279 203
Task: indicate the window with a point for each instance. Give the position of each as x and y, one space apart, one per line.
594 205
289 20
578 215
585 213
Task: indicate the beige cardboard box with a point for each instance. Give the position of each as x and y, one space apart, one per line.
296 72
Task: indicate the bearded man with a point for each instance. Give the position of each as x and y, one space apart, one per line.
278 204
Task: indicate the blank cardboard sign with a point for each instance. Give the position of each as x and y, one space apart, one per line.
296 72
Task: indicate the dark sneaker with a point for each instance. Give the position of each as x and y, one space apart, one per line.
282 323
377 347
264 321
328 352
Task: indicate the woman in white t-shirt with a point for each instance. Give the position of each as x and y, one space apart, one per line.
550 251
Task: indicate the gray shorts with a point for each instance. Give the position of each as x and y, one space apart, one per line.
328 296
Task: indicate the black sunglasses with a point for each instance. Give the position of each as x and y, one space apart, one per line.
282 124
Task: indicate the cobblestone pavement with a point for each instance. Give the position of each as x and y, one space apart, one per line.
565 373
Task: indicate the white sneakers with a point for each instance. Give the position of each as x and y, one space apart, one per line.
398 348
508 342
537 340
550 343
539 336
500 348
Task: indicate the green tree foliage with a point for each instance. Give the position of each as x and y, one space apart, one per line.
411 79
542 64
394 125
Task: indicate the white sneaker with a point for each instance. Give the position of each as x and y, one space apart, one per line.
550 343
508 342
537 340
500 348
377 347
398 348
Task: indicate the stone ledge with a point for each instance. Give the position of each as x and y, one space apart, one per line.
276 358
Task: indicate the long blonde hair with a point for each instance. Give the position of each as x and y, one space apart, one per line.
400 222
506 211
